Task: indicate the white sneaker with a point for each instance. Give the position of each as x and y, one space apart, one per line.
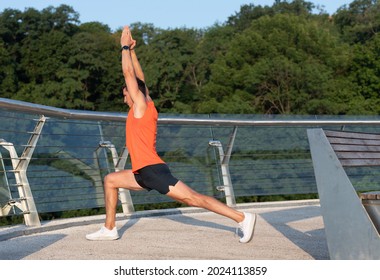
247 226
103 234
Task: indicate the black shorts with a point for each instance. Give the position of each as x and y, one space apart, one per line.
156 177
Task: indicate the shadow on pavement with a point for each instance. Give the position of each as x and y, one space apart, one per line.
308 241
21 247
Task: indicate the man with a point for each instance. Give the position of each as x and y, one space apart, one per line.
149 171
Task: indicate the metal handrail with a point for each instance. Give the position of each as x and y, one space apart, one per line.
110 119
49 111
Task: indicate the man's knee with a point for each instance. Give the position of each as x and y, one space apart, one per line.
109 180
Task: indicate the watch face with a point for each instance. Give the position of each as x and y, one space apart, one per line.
125 47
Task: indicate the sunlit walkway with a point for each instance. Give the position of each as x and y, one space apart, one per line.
290 230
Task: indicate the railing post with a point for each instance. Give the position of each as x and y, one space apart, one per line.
224 166
119 163
5 193
20 165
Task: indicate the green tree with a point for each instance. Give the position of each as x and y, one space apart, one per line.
365 73
167 66
279 59
8 77
214 43
92 75
278 65
359 21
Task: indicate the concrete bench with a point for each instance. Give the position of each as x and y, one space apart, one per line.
351 221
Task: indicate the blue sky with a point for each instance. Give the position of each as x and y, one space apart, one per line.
161 13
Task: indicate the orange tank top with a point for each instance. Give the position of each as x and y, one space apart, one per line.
141 138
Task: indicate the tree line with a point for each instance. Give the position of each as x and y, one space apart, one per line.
288 58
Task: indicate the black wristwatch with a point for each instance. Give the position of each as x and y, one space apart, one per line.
125 48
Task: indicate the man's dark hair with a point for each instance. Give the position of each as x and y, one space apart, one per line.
140 84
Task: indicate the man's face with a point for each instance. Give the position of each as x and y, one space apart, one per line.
127 98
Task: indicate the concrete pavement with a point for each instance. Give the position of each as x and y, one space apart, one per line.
291 230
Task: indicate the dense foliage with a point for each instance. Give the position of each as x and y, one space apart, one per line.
288 58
